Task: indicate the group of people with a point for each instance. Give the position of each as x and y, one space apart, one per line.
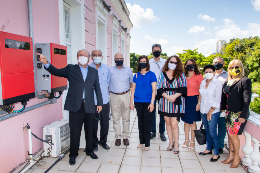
221 100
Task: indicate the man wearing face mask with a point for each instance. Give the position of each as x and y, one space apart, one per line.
104 79
156 66
221 75
79 102
120 82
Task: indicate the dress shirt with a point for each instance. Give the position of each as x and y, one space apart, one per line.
211 96
84 72
120 79
222 76
104 79
157 67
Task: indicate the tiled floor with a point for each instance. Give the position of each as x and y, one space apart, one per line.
129 159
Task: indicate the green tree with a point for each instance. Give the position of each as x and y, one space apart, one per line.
133 61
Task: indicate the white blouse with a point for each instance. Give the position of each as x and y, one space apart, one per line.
211 96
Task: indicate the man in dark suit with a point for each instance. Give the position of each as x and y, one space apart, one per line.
83 80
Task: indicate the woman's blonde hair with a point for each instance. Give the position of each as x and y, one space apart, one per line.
240 65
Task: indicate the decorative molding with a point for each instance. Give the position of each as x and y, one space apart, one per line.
123 12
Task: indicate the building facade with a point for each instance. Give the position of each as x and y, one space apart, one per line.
77 24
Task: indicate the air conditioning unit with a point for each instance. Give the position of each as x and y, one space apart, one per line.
58 133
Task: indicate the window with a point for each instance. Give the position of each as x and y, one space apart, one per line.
67 23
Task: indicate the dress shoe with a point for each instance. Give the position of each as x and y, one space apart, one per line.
153 135
162 136
220 150
105 146
235 165
203 154
227 162
118 142
72 160
92 155
214 160
95 148
126 142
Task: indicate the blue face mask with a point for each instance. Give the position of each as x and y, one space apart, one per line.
97 60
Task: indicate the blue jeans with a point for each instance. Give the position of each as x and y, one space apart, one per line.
211 132
221 131
161 124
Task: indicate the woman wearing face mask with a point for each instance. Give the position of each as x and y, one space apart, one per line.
171 90
143 95
209 106
194 79
236 98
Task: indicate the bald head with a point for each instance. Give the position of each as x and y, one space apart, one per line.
119 56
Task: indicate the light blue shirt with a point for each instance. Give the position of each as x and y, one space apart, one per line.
120 79
84 72
104 79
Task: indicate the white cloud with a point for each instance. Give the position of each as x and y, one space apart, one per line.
229 30
174 50
256 4
208 33
140 16
206 47
163 41
152 40
165 35
196 29
206 18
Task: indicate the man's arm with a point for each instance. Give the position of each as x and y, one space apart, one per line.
98 91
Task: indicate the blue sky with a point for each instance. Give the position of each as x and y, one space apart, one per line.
189 24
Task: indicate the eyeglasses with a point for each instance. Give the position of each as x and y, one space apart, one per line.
173 62
234 67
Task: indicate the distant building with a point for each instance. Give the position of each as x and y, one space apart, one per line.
219 45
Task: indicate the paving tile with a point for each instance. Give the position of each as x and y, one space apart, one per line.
35 169
151 161
193 171
134 135
132 161
170 163
46 162
227 168
116 152
171 170
130 169
188 156
154 147
88 167
206 164
65 166
100 159
109 168
121 146
213 171
190 164
150 169
133 145
101 151
135 140
113 159
134 152
169 155
151 153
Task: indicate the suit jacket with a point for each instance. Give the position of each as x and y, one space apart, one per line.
239 97
77 86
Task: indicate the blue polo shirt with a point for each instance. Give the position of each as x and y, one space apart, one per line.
143 89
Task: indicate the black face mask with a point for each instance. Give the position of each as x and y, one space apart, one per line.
119 62
218 66
142 65
157 53
190 67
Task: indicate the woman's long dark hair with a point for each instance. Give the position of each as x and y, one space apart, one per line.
179 68
196 69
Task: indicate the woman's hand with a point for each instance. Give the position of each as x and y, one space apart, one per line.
170 98
241 120
132 106
151 107
197 107
209 115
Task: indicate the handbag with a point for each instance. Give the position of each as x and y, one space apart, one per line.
200 135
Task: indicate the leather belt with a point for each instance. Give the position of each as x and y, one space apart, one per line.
120 93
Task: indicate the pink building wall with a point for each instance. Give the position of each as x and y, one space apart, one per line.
13 139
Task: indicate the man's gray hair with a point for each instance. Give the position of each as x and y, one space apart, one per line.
156 45
96 50
218 57
119 53
83 50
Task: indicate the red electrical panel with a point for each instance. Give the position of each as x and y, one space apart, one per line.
17 68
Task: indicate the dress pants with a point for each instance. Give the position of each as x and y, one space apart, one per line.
120 108
104 125
144 122
76 120
161 123
221 131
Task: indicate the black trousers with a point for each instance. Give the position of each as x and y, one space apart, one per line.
104 125
76 120
144 122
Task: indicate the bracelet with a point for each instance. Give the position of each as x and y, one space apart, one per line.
199 103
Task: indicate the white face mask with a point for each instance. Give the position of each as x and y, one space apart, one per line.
209 75
172 66
97 60
83 60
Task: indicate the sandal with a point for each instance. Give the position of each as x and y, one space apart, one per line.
176 150
170 149
191 148
140 146
146 148
185 146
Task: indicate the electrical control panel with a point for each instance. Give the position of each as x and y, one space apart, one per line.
16 68
57 56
